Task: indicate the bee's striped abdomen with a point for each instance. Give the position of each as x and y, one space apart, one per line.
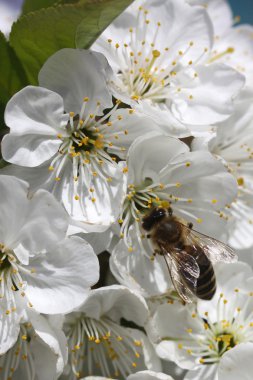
206 282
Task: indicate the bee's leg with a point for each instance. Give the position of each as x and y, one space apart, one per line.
148 236
190 225
156 252
170 211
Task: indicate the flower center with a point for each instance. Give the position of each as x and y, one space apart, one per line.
102 346
146 70
19 353
88 141
232 327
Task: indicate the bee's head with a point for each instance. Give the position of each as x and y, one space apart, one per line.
156 215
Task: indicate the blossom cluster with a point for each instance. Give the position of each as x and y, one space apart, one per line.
156 117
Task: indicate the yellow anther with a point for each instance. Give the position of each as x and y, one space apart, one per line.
202 361
59 135
97 341
194 315
188 164
50 168
189 351
120 221
225 302
180 346
119 117
77 197
125 170
165 204
214 201
117 46
189 200
109 40
240 181
190 97
130 249
178 184
134 364
93 200
71 114
189 330
239 309
137 354
156 53
86 99
199 220
57 179
191 43
236 290
230 50
190 63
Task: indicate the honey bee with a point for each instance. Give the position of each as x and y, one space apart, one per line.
188 254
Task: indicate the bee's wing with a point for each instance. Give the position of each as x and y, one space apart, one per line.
184 272
214 249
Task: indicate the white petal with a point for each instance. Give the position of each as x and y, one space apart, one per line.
166 336
237 363
149 375
9 326
220 13
13 208
133 124
209 99
34 116
45 224
51 348
59 280
75 74
149 154
29 150
116 302
205 372
136 270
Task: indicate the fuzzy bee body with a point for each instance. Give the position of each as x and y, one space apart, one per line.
187 253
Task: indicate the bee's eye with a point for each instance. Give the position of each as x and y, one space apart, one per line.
156 215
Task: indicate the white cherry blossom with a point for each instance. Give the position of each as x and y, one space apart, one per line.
99 344
163 172
38 341
160 51
233 142
38 264
211 338
70 147
232 44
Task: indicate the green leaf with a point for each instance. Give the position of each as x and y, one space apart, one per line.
38 35
12 75
100 13
34 5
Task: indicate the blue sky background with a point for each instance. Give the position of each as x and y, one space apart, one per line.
243 8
